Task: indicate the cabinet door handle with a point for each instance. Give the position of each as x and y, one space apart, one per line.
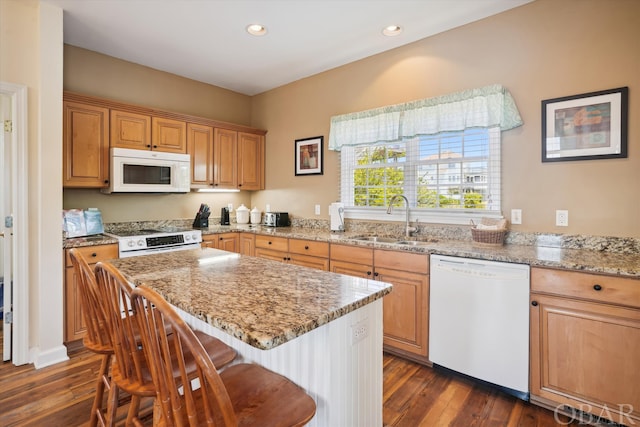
106 181
148 145
368 273
269 242
376 274
534 303
597 287
155 146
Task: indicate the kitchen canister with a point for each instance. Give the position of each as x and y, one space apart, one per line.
242 215
256 216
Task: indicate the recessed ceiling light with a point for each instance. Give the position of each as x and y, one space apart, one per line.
392 30
256 30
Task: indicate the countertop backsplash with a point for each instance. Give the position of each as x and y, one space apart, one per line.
620 245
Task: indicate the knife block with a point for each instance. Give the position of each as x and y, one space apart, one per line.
200 222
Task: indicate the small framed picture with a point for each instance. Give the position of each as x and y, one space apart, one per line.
585 127
308 156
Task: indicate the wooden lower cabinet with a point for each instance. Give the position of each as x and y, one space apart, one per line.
585 343
226 241
306 253
405 309
75 327
309 253
248 244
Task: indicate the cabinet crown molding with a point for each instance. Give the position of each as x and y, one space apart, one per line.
140 109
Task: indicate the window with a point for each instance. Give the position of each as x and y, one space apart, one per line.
448 177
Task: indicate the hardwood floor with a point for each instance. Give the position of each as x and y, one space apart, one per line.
414 395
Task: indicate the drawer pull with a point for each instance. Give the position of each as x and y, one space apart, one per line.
307 247
269 242
94 255
597 287
534 303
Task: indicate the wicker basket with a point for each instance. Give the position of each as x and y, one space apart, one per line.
489 237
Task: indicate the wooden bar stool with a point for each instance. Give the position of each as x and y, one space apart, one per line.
240 395
96 338
130 369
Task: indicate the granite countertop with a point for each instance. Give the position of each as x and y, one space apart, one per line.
261 302
97 239
545 254
592 261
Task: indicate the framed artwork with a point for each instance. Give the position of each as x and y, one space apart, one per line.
585 127
308 156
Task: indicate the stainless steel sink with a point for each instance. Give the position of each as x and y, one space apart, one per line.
395 240
376 239
416 242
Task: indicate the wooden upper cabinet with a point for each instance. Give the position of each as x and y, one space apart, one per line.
250 161
200 147
168 135
130 130
85 162
225 158
143 132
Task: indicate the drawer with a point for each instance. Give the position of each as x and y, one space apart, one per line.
94 254
353 254
272 242
595 287
401 260
309 247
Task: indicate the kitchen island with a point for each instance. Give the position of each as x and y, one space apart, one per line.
321 330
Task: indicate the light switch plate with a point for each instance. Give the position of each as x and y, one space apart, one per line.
562 218
516 216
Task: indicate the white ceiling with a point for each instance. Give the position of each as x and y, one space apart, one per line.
205 40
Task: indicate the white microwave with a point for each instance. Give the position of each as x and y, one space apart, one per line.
142 171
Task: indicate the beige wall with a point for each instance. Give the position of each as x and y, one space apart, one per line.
91 73
542 50
31 55
546 49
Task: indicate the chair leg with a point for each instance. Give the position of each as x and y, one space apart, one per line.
112 405
100 385
134 409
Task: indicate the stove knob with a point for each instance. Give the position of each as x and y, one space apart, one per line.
195 237
131 243
140 242
187 237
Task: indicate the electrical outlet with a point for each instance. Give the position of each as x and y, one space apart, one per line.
516 216
359 331
562 218
317 209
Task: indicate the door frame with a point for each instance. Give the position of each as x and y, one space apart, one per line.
20 240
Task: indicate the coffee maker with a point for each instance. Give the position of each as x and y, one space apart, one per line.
224 216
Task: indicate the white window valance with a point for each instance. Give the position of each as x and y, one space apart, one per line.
486 107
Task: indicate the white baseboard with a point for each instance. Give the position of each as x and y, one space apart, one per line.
41 359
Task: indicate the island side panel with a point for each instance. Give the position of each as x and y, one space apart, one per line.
341 373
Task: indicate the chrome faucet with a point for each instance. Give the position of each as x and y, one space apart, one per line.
407 228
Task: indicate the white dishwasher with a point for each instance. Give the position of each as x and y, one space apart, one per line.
479 320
